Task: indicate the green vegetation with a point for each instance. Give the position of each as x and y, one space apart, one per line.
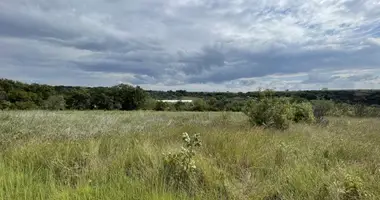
270 111
125 155
271 146
19 96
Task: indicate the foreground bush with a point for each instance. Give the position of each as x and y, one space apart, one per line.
179 168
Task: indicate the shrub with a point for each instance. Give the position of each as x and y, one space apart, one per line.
161 106
360 110
55 103
322 107
270 111
182 106
149 104
199 105
353 189
21 105
4 105
180 168
303 112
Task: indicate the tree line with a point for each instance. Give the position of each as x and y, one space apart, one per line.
20 96
15 95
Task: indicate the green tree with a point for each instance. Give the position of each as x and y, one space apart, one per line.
24 105
212 103
130 98
199 105
161 106
4 105
101 99
56 102
79 99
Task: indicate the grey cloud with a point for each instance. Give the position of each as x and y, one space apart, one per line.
28 27
362 77
316 77
322 78
241 83
285 62
205 60
184 42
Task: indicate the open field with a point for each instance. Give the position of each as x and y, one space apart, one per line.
119 155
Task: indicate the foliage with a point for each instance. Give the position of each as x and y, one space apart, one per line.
303 112
179 168
130 98
17 95
36 96
24 105
322 107
270 111
149 104
161 106
199 105
56 102
4 105
182 106
353 189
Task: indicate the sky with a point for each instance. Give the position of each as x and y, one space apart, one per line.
196 45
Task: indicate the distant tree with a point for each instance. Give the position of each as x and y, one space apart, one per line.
149 104
24 105
19 95
79 99
101 99
56 102
161 106
212 103
130 98
199 105
3 95
4 105
180 106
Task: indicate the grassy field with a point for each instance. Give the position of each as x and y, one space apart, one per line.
119 155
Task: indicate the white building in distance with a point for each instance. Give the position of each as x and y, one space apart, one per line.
175 101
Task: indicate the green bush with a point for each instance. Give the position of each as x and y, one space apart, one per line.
199 105
270 111
323 107
149 104
161 106
179 168
21 105
353 189
303 112
182 106
4 105
360 110
55 103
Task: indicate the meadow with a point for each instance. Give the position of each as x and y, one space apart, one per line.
120 155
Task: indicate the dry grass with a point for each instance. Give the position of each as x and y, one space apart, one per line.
118 155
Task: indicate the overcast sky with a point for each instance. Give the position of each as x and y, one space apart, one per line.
197 45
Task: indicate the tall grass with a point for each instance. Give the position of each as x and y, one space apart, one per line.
120 155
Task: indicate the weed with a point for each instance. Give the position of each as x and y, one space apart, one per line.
353 189
180 168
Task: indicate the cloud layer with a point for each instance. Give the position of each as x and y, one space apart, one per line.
216 45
